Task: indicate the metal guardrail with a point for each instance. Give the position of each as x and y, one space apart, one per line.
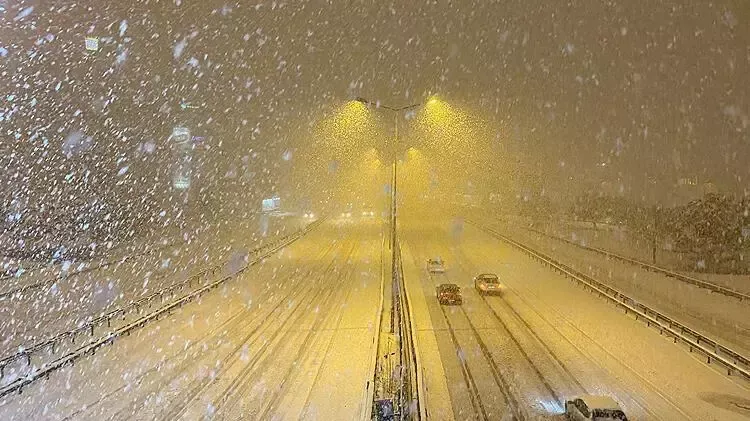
402 395
42 266
89 326
102 264
684 278
710 348
412 399
369 395
135 306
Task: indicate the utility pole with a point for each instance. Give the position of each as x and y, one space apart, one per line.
394 153
394 183
655 235
400 395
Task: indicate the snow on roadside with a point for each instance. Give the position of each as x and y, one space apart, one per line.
724 318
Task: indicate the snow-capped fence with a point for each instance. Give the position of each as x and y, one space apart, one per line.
653 268
369 393
713 351
52 344
413 395
401 396
84 269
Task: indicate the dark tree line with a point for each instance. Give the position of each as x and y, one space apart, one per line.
714 229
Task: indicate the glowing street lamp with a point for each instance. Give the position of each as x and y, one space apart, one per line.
435 110
386 107
396 110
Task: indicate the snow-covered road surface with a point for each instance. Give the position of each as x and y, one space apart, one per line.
721 317
65 303
550 340
288 338
293 338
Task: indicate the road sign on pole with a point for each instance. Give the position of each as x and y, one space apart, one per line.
92 44
186 105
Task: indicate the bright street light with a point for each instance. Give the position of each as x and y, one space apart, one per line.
435 110
379 105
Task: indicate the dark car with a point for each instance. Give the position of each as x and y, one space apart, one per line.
449 294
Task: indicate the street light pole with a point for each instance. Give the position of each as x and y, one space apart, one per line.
397 323
394 154
394 184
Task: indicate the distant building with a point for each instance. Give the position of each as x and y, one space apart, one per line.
688 181
688 189
182 152
271 205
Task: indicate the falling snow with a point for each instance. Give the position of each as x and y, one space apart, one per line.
24 13
228 196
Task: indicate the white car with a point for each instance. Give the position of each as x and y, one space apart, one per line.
435 265
595 408
488 284
309 215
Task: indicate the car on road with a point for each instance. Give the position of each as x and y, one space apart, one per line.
347 211
598 408
367 211
435 265
488 284
449 294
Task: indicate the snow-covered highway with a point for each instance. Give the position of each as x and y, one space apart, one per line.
545 341
293 337
279 339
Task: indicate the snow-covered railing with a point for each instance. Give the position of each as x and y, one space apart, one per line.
88 327
708 347
410 358
684 278
88 268
50 344
369 394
